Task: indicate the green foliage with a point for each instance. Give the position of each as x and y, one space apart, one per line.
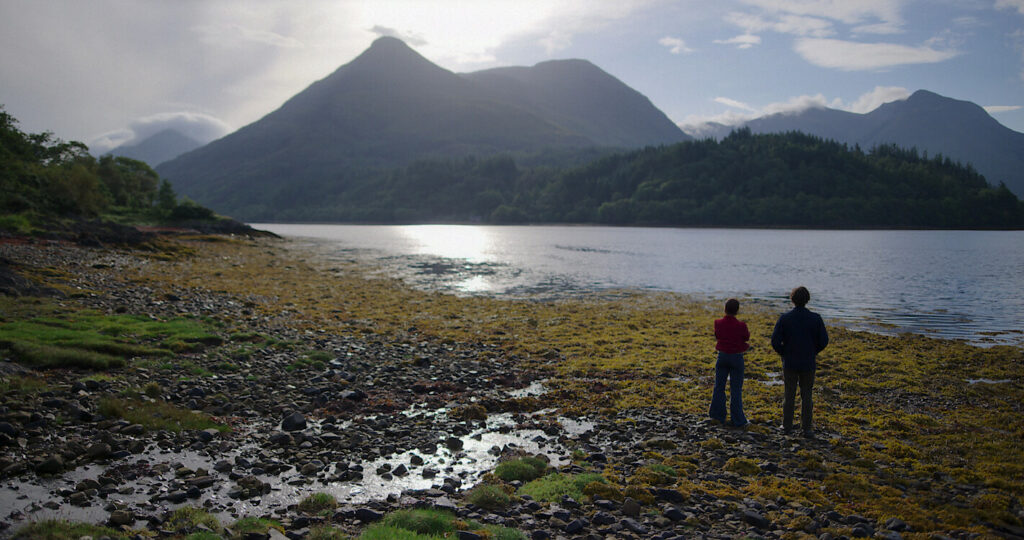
387 532
523 469
422 521
553 487
248 525
751 180
490 497
44 178
64 530
318 502
85 338
188 517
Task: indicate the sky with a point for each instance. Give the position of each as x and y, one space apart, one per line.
109 72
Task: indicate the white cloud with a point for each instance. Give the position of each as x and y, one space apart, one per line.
996 109
555 41
734 104
743 41
853 12
856 56
700 126
236 35
412 38
675 45
201 127
797 25
1011 4
881 94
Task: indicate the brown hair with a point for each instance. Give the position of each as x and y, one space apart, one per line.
800 296
732 306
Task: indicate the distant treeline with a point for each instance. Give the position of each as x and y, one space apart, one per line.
43 179
777 180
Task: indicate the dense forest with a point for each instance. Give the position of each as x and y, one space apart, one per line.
779 180
44 180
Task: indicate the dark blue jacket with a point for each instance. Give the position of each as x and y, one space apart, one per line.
799 336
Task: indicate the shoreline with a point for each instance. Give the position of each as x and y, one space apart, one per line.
898 440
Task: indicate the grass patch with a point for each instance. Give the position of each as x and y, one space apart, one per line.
18 384
42 334
326 532
420 524
156 415
64 530
249 525
523 469
553 487
422 521
188 517
318 502
489 497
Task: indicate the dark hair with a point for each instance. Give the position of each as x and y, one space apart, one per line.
732 306
800 296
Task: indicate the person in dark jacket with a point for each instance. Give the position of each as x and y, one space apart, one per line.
799 336
732 337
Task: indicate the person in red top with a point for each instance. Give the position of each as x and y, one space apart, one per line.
732 335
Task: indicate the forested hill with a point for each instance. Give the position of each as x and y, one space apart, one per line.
745 180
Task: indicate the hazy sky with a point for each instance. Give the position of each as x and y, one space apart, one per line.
105 71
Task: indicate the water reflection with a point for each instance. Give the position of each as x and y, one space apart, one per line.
468 243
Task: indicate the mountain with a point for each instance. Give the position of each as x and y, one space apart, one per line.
390 106
959 130
158 148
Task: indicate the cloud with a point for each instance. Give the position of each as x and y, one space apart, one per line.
742 41
881 94
555 41
675 45
734 104
856 56
411 38
1011 4
701 126
996 109
797 25
201 127
236 35
859 12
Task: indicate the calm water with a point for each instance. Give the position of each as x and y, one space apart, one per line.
961 284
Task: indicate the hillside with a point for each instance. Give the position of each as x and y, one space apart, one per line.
158 148
789 180
931 123
390 106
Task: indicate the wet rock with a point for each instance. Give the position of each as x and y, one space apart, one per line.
896 524
51 465
755 519
575 526
368 515
98 450
121 517
631 508
294 422
633 525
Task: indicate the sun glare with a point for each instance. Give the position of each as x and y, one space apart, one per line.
450 241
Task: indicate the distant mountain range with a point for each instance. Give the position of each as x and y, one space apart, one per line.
390 106
959 130
158 148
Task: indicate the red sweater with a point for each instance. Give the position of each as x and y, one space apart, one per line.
732 335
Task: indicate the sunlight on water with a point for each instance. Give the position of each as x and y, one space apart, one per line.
450 241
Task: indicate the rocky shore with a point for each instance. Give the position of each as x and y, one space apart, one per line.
381 421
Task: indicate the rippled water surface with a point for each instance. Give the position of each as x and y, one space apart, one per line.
960 284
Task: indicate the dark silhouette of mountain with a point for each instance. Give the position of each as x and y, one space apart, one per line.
158 148
390 106
959 130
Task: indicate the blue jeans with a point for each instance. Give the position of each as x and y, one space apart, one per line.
729 366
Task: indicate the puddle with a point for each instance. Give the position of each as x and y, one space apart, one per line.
150 474
536 388
774 378
988 381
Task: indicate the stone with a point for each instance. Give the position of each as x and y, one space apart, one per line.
294 422
51 465
635 526
368 515
631 507
756 519
121 517
575 526
98 450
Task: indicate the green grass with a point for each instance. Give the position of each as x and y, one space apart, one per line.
64 530
523 469
489 497
422 521
17 384
318 502
17 223
41 334
385 532
188 517
553 487
326 532
254 525
156 415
